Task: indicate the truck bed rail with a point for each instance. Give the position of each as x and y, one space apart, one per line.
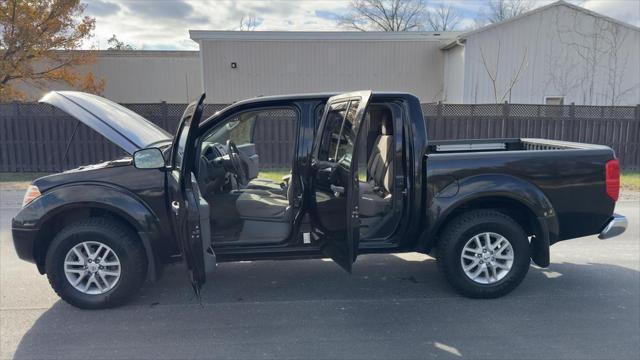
509 144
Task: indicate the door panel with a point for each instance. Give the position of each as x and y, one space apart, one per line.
184 197
334 212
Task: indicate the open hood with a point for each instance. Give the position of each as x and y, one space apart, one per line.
123 127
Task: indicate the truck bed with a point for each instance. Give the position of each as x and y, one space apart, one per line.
508 144
570 175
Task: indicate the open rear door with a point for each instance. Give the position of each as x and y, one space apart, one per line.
334 184
184 198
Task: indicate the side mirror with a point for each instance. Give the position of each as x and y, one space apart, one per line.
150 158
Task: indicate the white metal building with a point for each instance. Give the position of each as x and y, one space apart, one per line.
238 65
150 76
559 53
140 76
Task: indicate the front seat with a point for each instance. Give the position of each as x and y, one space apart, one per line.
261 204
266 215
269 184
375 194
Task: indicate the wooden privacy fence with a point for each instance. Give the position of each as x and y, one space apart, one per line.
34 136
615 126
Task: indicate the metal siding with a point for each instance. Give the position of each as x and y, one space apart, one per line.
281 67
454 75
150 79
552 65
140 77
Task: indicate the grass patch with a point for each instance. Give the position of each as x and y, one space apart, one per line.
18 181
273 174
630 180
20 177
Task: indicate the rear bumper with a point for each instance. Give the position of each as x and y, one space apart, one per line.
616 226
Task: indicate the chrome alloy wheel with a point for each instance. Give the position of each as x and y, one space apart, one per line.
92 267
487 258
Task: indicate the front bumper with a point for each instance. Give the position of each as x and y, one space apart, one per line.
616 226
24 243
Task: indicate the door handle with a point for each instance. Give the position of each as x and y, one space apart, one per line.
337 190
175 206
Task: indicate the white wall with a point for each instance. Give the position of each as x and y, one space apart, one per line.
454 75
141 76
562 52
299 66
151 76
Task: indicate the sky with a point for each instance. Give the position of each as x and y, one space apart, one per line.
165 24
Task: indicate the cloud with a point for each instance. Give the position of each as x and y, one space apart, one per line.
624 10
161 9
102 8
164 24
325 14
467 24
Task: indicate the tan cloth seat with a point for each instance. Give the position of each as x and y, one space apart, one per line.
262 204
375 194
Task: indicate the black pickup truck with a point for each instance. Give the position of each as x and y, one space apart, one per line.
361 177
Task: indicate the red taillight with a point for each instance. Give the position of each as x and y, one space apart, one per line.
613 179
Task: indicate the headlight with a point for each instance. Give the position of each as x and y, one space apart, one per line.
32 193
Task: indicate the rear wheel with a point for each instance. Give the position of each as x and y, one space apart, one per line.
96 263
483 254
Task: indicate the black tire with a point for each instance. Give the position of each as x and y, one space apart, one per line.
120 239
462 229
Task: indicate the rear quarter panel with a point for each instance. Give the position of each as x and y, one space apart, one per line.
573 181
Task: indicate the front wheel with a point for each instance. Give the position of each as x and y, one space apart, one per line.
483 254
96 263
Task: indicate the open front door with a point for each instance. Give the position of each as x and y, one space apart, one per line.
334 185
184 198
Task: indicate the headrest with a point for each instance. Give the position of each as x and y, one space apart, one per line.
386 125
380 121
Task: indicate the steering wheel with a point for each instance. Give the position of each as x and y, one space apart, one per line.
236 162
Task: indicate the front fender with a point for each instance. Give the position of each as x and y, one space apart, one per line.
119 201
493 186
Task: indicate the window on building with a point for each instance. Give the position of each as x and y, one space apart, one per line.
554 100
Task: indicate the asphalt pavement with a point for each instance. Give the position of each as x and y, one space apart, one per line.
585 305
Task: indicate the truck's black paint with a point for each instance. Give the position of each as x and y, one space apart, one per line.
555 194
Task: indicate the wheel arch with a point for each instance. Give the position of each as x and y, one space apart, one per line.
524 202
67 205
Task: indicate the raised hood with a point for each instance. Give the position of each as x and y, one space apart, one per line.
123 127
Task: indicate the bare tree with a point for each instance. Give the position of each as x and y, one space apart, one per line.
443 18
616 68
598 52
385 15
493 72
248 23
563 72
500 10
